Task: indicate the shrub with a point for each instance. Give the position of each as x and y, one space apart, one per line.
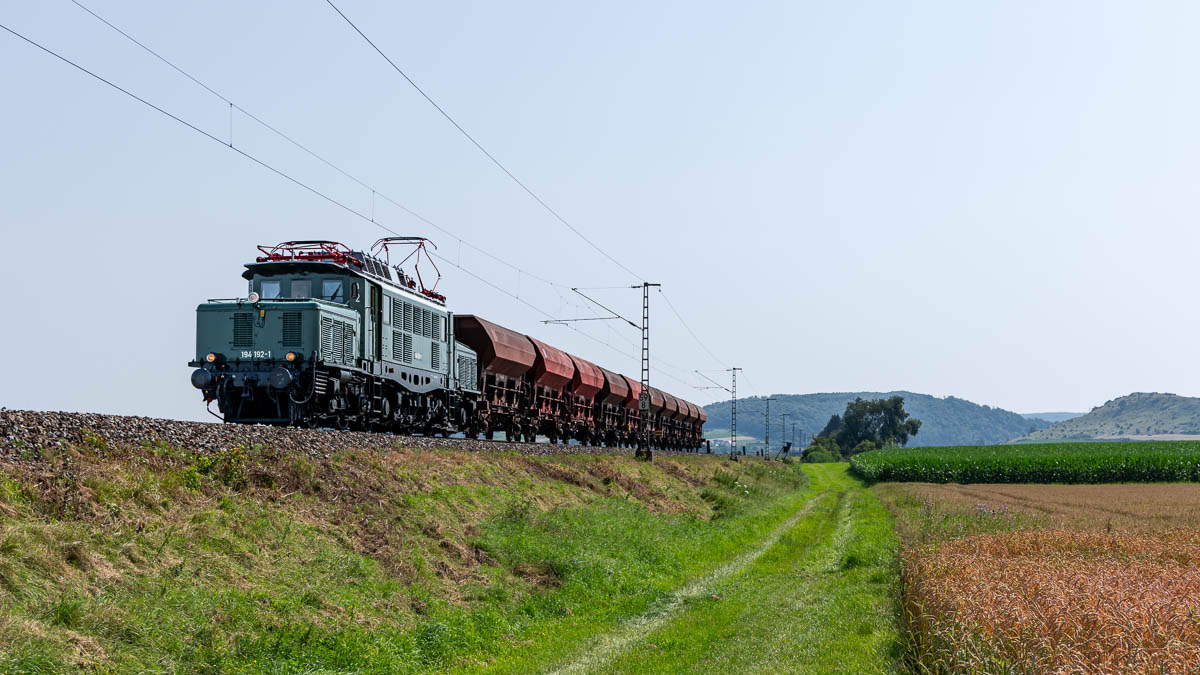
821 457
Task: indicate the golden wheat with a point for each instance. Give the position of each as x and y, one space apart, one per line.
1057 601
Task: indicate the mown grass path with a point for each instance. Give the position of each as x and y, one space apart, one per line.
817 595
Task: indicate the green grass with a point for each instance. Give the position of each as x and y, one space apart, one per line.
1096 462
155 561
821 599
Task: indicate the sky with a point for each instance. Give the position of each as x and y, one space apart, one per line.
995 201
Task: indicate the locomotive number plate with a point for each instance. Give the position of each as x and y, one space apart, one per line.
256 354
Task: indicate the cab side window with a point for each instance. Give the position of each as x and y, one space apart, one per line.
333 290
270 290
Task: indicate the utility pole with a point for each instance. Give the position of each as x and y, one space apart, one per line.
783 426
794 434
768 416
644 400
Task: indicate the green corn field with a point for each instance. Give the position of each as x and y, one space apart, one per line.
1083 462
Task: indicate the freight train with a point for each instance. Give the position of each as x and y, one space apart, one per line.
331 337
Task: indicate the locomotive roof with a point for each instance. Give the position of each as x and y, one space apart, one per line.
296 266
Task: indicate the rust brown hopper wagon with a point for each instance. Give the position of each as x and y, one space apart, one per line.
587 383
505 359
610 408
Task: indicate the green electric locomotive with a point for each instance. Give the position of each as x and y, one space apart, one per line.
332 337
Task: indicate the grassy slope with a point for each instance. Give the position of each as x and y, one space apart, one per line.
155 559
818 600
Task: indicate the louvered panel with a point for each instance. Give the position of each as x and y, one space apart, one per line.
335 342
398 345
326 338
408 348
437 327
408 317
468 376
426 323
243 330
293 329
397 314
435 356
347 344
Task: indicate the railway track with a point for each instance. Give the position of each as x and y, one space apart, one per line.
25 433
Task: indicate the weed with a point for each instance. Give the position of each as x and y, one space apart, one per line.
65 611
725 479
94 440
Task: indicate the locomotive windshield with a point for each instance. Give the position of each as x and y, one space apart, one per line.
275 288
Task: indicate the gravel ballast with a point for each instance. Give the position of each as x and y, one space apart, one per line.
23 432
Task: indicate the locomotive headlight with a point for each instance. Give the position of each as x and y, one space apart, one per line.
291 356
211 358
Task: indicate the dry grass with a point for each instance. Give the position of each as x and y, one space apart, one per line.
1057 601
1051 578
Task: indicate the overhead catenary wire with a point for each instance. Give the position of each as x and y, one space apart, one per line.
375 192
689 328
557 216
340 204
279 172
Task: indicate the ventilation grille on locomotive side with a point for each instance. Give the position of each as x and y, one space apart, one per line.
243 330
293 324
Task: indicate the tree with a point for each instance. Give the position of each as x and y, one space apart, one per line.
832 427
880 422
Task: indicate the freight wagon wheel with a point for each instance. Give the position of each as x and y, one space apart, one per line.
489 435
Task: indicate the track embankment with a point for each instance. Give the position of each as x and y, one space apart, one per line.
135 545
24 432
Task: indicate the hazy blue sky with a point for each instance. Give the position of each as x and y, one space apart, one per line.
996 201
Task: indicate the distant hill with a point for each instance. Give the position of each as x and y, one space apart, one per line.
944 421
1138 416
1051 417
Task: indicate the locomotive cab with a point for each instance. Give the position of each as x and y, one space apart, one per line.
253 354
